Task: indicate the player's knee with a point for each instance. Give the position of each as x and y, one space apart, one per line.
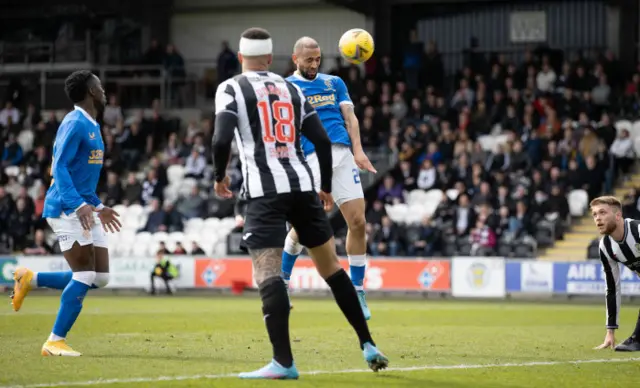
85 277
357 224
101 280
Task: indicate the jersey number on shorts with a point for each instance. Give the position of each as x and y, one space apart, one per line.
283 131
356 176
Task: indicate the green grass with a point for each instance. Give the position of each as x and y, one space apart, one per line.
130 337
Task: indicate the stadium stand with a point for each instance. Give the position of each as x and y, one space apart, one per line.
504 163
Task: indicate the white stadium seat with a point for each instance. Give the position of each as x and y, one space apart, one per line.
578 202
623 124
175 174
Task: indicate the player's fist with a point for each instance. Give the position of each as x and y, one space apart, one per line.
327 200
222 188
363 162
609 341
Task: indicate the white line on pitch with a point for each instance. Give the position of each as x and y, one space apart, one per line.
134 380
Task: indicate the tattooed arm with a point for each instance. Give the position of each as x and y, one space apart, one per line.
267 263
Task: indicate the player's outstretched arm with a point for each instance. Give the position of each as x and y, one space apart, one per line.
613 296
353 127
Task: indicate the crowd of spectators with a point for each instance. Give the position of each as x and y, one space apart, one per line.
558 125
559 137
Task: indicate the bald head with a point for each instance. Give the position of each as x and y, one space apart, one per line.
305 43
307 56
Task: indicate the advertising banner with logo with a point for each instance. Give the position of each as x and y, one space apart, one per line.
586 278
125 272
478 277
382 274
7 267
529 276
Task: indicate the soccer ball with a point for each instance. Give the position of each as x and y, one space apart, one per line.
356 46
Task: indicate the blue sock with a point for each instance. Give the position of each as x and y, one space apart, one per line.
55 280
288 261
357 275
70 306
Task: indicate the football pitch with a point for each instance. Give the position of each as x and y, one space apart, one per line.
204 341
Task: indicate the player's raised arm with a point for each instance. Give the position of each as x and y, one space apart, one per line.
613 293
64 152
353 126
225 124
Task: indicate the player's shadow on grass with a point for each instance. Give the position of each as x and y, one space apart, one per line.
176 357
401 379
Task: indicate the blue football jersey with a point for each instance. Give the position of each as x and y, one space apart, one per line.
325 93
78 154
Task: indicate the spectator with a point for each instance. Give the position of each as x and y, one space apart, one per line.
426 178
196 249
483 239
179 249
155 219
172 219
38 246
112 112
21 222
114 191
132 190
622 151
151 187
385 240
464 216
390 192
195 165
12 155
427 239
9 115
192 205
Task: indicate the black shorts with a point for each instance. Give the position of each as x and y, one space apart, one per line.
266 218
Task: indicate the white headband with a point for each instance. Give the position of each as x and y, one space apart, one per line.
255 47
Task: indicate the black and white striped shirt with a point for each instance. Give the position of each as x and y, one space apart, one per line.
270 112
612 253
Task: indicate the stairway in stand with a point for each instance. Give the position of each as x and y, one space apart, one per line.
577 239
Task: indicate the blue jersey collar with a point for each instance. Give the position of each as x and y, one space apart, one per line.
300 77
87 115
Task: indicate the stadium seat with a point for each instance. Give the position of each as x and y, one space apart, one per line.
452 194
193 225
578 202
175 174
636 146
157 237
120 209
140 249
623 124
25 139
545 234
12 171
415 196
635 130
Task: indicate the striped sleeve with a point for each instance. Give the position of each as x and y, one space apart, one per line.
306 108
612 278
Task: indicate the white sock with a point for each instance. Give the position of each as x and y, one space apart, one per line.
53 337
34 280
286 282
357 260
292 247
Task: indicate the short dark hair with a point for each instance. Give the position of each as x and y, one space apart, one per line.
76 86
256 33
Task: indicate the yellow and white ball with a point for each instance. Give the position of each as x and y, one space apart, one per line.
356 46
